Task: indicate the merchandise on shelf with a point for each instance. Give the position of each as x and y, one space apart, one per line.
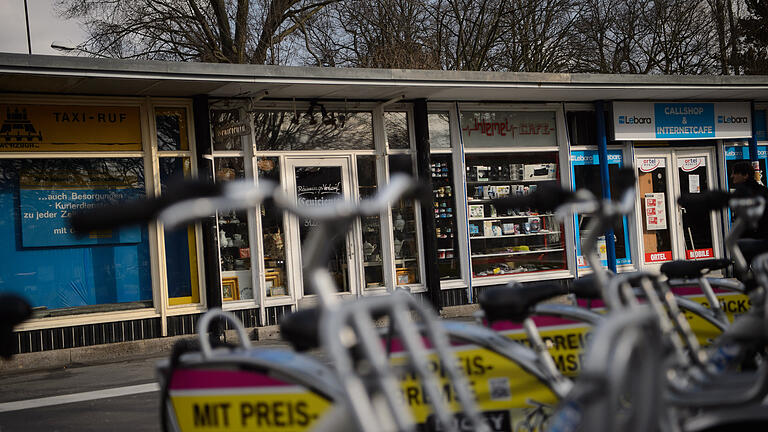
445 222
514 240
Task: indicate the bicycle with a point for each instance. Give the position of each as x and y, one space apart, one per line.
351 346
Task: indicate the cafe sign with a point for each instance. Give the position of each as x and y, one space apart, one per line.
650 121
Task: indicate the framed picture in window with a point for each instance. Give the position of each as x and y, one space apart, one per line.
230 289
274 284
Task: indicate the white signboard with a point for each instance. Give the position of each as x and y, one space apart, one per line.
650 121
655 212
694 184
650 164
691 163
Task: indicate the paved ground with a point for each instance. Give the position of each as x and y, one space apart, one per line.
120 396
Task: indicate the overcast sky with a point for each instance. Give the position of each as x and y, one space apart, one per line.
45 26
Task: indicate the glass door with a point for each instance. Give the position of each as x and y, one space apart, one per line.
655 192
316 182
694 174
666 230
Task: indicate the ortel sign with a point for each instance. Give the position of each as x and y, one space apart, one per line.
691 164
648 165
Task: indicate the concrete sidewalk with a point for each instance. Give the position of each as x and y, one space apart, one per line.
159 347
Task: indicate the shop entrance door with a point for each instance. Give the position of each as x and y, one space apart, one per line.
666 231
314 182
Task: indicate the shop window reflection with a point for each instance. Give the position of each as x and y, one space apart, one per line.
371 225
396 128
171 129
180 243
234 243
275 279
55 270
337 130
439 130
404 226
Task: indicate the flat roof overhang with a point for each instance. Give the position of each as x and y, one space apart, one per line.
21 73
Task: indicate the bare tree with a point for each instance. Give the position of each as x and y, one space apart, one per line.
227 31
645 36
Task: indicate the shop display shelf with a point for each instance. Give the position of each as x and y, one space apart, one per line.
515 235
503 182
512 217
518 253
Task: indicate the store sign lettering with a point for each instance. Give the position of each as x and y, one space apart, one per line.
69 128
648 165
691 164
653 257
699 253
45 213
681 120
231 130
631 120
506 127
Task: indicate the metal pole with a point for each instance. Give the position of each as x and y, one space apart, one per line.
602 152
753 142
431 269
26 16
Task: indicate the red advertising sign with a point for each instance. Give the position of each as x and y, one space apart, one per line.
654 257
699 253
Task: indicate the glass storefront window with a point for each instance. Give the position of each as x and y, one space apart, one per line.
371 225
445 216
273 235
734 154
44 261
582 128
396 128
313 130
514 241
234 244
493 129
223 119
171 126
439 130
180 243
586 175
404 224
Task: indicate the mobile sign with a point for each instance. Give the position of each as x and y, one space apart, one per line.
649 121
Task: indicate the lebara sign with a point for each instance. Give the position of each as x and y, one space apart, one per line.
681 120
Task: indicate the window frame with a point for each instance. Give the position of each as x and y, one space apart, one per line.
149 156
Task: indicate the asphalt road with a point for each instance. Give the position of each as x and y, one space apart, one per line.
132 412
108 397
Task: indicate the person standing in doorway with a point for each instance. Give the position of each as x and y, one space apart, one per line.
754 241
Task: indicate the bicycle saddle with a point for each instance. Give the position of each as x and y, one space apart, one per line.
514 301
300 329
586 287
693 269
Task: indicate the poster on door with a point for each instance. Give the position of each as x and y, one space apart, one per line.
655 212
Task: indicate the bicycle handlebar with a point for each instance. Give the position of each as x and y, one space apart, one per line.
705 202
547 197
192 200
141 210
